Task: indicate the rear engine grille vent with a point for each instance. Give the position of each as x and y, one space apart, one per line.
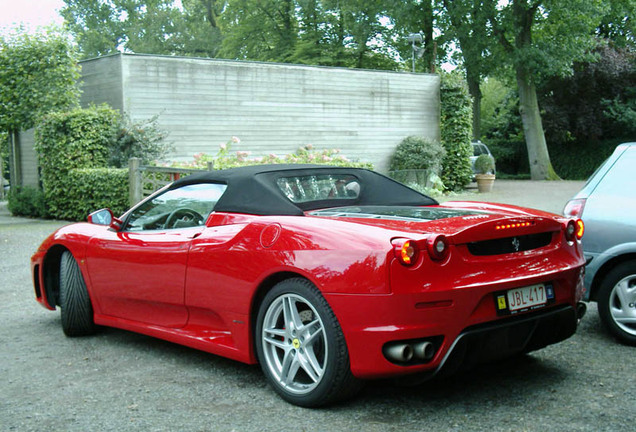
510 244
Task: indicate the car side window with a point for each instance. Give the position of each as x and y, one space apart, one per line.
184 207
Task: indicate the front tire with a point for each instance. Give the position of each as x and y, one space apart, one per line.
77 311
617 302
300 346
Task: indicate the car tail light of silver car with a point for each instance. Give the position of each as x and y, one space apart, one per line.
574 208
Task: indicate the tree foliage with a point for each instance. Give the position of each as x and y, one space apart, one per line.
501 127
259 30
594 100
617 24
145 26
38 74
418 16
539 39
466 21
351 33
142 139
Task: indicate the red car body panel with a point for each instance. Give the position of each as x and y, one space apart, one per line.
200 286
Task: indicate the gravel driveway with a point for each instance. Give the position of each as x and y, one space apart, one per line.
120 381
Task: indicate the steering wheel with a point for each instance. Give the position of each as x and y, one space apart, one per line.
187 215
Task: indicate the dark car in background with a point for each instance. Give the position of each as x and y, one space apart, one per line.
607 206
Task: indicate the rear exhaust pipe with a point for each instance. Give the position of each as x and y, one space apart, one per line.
424 350
399 352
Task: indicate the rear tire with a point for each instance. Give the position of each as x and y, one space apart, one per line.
617 302
77 310
301 348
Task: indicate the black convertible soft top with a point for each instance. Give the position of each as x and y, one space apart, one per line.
254 189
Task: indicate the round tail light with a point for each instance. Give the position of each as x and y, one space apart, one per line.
574 230
406 251
438 247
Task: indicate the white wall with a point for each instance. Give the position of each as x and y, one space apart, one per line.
272 108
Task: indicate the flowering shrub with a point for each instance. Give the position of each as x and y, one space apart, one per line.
225 158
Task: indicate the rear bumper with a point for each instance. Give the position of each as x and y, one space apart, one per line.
462 324
492 341
475 344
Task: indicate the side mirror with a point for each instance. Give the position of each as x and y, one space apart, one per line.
101 217
105 217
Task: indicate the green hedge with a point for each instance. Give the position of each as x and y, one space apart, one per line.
456 131
70 140
27 201
90 189
416 152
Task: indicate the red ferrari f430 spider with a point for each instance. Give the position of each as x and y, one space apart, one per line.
325 276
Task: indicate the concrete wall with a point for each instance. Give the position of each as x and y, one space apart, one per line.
102 81
272 108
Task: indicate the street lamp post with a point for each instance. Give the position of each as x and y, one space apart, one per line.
414 38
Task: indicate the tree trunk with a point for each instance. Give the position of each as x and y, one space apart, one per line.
429 43
210 12
538 156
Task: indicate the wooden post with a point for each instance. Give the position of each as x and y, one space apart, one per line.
134 180
211 166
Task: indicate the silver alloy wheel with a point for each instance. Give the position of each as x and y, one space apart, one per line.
294 344
622 304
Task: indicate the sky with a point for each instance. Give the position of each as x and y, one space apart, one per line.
31 13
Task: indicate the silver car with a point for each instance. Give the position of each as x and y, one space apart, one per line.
607 205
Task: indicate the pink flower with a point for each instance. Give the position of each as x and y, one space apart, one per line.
223 146
309 146
235 140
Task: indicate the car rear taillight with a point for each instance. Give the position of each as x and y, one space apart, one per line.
406 251
438 248
580 229
574 208
574 230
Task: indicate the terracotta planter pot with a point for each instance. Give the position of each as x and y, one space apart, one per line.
485 182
